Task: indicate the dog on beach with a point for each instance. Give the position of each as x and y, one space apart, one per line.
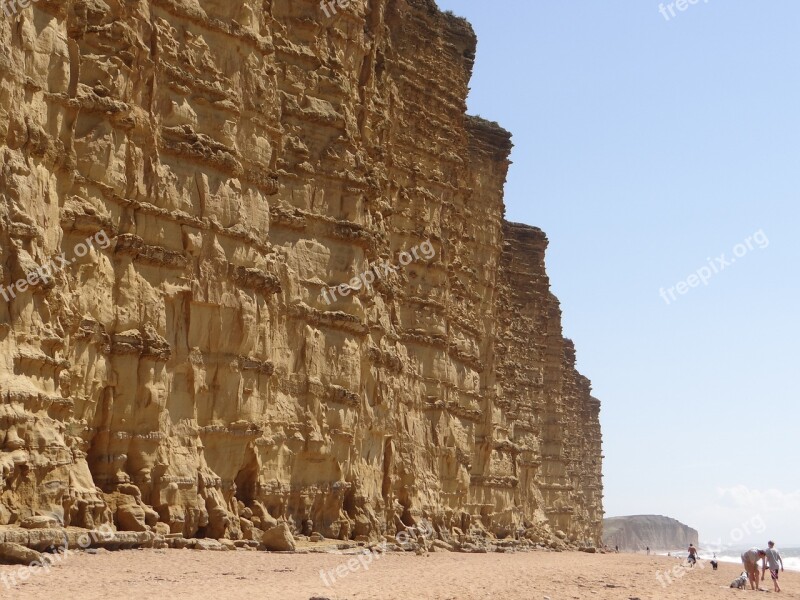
740 582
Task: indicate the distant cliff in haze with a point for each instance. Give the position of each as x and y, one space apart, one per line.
641 531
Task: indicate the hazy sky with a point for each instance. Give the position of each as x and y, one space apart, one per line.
646 148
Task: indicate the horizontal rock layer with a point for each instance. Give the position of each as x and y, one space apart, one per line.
202 360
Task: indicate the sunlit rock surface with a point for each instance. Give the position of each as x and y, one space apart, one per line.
231 162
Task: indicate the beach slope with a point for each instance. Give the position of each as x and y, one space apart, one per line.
176 574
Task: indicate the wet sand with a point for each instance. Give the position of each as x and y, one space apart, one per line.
167 574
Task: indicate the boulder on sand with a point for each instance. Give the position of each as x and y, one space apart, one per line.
278 538
15 554
131 517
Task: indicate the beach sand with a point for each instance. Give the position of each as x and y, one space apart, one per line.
167 574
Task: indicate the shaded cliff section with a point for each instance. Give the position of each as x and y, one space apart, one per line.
638 532
190 377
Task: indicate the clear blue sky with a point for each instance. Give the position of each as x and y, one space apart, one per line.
644 147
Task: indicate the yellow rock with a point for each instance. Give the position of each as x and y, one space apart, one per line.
275 283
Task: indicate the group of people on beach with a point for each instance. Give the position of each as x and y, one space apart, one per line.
771 559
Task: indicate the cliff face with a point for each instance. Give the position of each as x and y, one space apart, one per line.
643 531
546 406
232 163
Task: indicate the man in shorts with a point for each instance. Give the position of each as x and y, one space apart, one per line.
750 561
692 560
773 561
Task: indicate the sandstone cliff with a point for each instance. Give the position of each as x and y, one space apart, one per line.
241 158
642 531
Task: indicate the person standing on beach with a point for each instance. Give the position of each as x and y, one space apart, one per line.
692 560
750 561
648 551
773 560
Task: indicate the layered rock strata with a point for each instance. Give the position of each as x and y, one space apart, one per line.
193 375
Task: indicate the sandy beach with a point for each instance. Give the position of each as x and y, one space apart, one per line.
167 574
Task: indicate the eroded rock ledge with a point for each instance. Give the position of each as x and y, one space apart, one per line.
188 380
